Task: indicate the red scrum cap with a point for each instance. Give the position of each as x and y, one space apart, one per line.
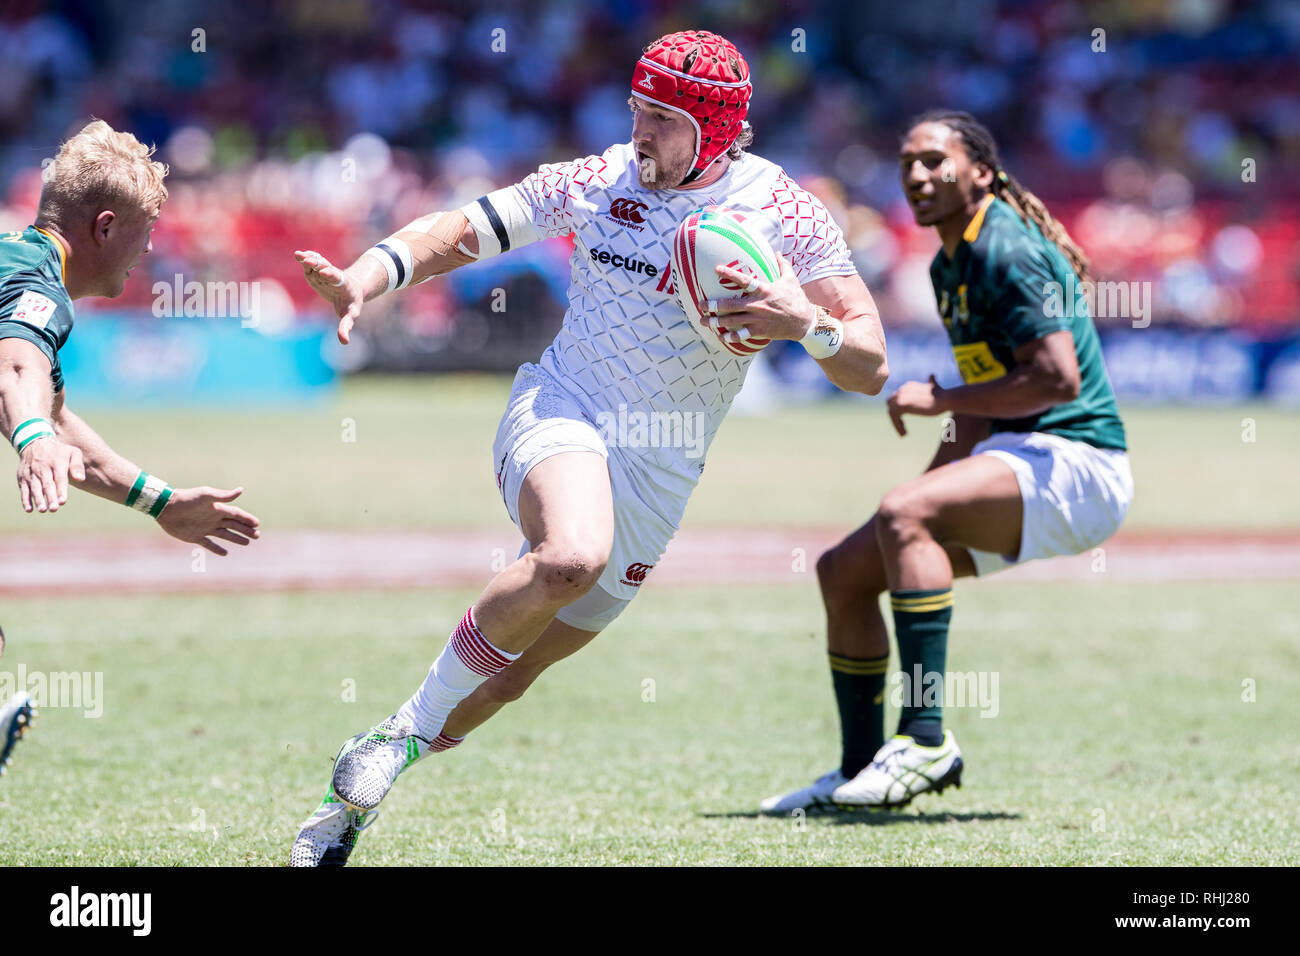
703 76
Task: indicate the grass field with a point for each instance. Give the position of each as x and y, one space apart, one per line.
422 458
1121 735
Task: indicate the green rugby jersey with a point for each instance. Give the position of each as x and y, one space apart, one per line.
992 300
34 304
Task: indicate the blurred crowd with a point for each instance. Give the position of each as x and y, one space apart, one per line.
1164 133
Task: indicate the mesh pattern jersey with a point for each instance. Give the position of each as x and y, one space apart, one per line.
625 340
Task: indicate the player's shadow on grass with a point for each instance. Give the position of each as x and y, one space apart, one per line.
871 818
876 818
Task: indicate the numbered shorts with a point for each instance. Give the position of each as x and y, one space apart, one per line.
1075 495
542 420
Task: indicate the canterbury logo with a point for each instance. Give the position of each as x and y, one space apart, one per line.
627 210
636 573
647 81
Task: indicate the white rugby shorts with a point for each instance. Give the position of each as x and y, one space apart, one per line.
542 419
1075 495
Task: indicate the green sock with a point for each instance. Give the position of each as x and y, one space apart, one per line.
860 696
921 625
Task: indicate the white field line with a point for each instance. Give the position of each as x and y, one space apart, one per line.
32 565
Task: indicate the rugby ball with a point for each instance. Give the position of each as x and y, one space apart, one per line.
706 239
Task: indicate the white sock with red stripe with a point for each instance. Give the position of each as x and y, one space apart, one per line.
467 661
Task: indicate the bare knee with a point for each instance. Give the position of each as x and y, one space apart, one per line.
902 516
565 573
831 571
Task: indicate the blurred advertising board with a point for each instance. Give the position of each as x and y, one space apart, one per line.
116 359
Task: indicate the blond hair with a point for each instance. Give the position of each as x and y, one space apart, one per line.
100 168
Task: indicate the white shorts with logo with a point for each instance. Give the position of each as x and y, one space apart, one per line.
1075 495
542 420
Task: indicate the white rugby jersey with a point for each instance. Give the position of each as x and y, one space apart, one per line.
626 346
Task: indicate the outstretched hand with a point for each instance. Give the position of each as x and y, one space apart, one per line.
337 288
915 398
197 515
43 471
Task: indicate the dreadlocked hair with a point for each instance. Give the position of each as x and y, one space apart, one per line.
982 148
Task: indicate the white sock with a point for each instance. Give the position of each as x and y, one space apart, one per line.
467 661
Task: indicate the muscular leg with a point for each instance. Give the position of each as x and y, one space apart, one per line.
557 642
972 503
852 578
564 564
566 509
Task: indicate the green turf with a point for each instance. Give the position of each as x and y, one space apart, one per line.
1121 737
422 458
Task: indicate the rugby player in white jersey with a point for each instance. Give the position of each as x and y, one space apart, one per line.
597 513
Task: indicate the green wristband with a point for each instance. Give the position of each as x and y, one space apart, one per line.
149 494
161 503
29 431
136 489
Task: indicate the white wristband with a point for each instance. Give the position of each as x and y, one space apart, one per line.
29 431
395 256
149 495
825 337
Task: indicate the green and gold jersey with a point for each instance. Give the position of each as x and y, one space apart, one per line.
993 298
34 304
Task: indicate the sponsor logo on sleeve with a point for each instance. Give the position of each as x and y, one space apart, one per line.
635 574
33 309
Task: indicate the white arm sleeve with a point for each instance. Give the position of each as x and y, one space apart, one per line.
502 221
539 207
